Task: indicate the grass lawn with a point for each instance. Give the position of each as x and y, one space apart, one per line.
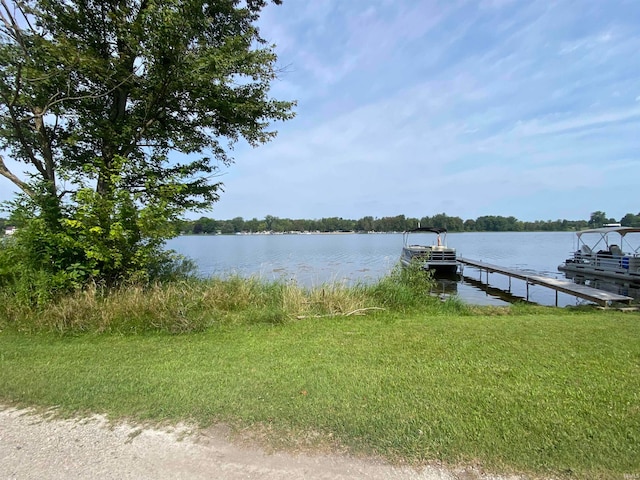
540 391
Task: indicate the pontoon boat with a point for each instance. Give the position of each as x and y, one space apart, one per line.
437 257
609 252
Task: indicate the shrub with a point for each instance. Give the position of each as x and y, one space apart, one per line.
97 241
405 288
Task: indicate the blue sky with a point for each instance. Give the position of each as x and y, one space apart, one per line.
496 107
471 108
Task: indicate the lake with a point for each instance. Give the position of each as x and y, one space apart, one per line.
314 259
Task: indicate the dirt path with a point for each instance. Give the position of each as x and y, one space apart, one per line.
33 446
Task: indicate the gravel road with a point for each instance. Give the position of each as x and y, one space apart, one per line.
39 446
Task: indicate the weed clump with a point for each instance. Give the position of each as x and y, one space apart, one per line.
404 289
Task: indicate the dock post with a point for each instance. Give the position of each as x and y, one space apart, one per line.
556 298
527 282
486 292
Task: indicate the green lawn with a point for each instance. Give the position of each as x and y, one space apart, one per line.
542 391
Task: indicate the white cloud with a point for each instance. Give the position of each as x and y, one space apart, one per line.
601 119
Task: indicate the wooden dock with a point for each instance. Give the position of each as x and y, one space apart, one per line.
565 286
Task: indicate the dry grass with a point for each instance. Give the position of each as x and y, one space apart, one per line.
185 306
327 300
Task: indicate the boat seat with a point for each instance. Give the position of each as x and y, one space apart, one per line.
586 250
615 250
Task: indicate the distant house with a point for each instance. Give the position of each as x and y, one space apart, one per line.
10 230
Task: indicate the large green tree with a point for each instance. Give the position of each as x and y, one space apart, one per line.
630 220
599 218
122 111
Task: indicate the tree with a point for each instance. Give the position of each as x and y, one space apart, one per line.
96 94
597 219
254 225
630 220
393 224
442 220
270 221
469 225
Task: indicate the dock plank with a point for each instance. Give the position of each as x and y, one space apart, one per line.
565 286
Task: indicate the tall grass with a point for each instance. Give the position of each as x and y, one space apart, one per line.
193 305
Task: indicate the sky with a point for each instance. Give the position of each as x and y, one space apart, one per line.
516 108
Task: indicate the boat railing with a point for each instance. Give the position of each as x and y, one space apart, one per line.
608 261
605 260
443 255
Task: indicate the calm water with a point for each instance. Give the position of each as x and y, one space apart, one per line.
315 259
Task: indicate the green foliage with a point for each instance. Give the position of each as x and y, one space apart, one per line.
94 96
398 223
598 219
94 240
404 289
493 223
630 220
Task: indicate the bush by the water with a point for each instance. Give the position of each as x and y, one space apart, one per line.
56 251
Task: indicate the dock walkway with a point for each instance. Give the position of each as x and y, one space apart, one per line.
565 286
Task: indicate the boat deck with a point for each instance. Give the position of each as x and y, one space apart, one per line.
565 286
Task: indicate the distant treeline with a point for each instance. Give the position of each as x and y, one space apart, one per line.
399 223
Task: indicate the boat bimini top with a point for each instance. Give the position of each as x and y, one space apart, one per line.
430 229
604 233
436 230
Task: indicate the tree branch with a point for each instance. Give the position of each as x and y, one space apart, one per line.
54 101
45 145
13 28
5 172
17 124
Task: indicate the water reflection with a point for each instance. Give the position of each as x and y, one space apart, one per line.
504 295
445 287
